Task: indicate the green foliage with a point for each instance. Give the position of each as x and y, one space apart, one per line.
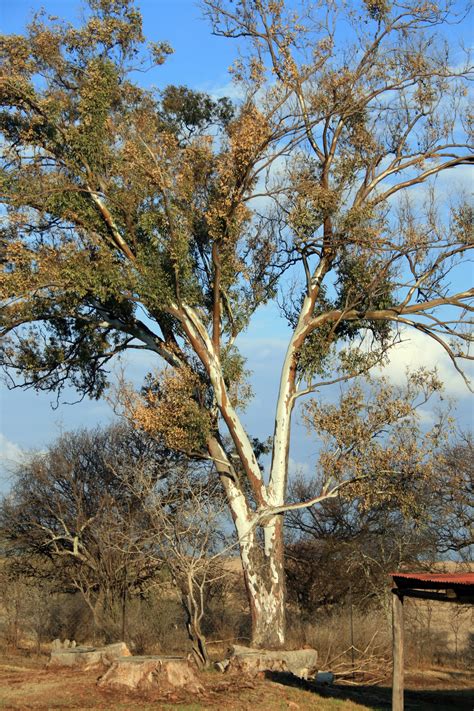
98 96
236 377
362 285
183 108
373 441
377 9
108 161
365 284
316 357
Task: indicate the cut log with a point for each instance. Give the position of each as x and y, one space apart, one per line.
151 673
300 662
88 657
56 644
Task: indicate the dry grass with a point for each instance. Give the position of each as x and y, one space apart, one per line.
25 683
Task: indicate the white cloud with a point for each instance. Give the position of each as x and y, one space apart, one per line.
10 453
267 349
418 350
230 90
295 467
10 456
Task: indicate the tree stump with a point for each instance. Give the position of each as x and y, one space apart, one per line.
87 657
246 660
151 673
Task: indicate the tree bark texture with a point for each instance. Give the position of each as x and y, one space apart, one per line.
265 582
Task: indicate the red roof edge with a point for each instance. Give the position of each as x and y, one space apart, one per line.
448 578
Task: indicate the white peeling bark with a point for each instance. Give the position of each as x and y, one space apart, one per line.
211 362
263 571
281 437
265 581
263 567
240 510
285 401
237 432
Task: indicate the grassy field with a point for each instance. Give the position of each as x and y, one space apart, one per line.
25 683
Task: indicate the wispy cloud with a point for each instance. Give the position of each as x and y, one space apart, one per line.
230 90
10 456
417 350
298 468
10 453
263 350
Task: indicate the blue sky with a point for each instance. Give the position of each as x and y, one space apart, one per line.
200 59
27 420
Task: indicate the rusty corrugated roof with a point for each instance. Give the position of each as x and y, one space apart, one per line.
438 578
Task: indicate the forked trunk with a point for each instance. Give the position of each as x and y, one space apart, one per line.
193 605
265 581
196 637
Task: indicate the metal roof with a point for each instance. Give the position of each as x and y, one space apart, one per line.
436 579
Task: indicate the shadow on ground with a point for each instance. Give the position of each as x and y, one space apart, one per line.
379 697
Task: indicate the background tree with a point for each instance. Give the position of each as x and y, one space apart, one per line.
131 222
451 517
69 519
186 520
395 514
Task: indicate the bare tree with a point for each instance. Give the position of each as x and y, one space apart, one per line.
451 512
184 535
68 507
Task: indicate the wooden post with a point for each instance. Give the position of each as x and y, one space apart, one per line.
398 644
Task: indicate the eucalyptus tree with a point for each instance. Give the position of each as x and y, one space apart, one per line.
136 220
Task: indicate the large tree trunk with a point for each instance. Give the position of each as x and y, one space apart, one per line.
261 551
265 581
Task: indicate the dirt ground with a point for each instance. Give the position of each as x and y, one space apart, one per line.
25 683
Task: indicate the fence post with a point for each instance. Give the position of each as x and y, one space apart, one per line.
398 650
352 630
